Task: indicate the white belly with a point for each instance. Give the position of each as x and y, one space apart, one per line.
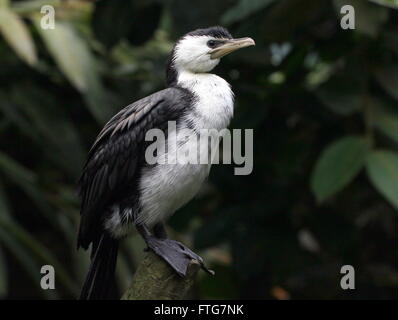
167 187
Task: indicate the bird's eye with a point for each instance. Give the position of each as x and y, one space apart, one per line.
211 43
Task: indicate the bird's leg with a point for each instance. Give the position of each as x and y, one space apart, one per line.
159 231
177 255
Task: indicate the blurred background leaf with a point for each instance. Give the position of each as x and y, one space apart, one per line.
383 172
17 35
388 3
338 165
75 60
387 76
386 121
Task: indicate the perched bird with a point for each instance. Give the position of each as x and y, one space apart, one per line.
121 192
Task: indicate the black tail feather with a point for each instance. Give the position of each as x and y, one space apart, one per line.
100 278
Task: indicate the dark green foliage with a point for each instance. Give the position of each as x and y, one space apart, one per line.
323 103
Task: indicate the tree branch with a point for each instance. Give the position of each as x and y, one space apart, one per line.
155 280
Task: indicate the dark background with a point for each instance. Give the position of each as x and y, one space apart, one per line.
323 105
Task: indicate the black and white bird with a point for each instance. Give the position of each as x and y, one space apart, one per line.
121 192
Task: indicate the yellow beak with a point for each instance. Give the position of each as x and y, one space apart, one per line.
230 46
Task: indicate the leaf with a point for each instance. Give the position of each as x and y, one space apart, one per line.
17 36
387 3
386 122
338 165
4 3
73 57
387 76
243 9
22 7
69 52
382 168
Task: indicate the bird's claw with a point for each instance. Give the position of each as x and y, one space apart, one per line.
177 255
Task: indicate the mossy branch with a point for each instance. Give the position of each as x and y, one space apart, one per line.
155 280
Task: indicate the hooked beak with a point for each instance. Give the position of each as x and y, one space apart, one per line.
230 46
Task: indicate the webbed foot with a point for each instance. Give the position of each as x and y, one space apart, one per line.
177 255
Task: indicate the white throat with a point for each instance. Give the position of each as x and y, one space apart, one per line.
213 108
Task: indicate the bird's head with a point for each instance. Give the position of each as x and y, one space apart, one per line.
201 50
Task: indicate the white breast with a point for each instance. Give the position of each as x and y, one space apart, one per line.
167 187
214 107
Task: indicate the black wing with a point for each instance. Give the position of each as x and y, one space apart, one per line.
114 159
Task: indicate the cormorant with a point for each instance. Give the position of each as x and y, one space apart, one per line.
119 190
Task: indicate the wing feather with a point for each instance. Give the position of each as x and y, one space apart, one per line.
116 155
